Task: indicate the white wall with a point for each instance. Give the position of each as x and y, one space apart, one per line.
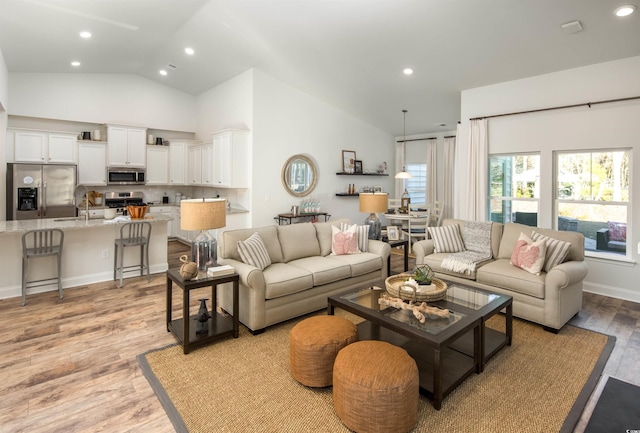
288 121
600 126
101 98
4 96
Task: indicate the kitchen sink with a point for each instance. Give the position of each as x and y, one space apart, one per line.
78 218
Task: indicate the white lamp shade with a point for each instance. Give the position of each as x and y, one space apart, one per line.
374 202
203 214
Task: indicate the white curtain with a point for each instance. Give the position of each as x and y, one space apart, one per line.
476 204
449 170
399 167
431 189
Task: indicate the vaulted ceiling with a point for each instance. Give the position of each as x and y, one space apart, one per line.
349 53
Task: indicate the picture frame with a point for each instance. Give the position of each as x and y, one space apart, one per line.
348 161
357 166
393 233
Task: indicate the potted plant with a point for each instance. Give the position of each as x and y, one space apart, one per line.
423 275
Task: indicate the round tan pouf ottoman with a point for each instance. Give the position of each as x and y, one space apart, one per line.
375 388
313 346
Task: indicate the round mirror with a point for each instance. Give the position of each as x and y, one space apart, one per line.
299 175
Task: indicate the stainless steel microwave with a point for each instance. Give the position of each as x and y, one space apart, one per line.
126 176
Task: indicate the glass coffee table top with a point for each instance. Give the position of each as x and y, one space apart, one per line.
456 295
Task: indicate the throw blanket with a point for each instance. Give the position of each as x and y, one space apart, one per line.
477 241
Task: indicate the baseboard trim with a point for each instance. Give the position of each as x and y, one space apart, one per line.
611 291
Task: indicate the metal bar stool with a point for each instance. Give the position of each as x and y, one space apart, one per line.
41 243
133 234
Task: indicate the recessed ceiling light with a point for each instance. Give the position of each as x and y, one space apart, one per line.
440 124
85 35
163 72
189 51
407 71
75 63
625 10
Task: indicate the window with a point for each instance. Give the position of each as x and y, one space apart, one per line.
592 197
514 188
416 186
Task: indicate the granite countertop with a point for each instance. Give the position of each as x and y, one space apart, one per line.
69 223
152 205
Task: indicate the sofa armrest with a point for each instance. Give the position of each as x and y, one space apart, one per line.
422 249
567 274
250 276
383 250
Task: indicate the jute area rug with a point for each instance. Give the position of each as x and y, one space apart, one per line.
244 385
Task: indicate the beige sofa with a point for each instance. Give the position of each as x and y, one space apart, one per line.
302 275
550 299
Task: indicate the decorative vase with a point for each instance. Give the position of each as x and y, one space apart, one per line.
203 317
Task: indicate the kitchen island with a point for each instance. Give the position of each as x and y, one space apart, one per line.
87 255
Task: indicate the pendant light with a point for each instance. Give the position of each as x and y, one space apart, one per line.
404 174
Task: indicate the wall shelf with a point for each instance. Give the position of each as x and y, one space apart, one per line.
362 174
344 194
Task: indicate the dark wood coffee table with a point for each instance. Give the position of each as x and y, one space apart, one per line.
447 351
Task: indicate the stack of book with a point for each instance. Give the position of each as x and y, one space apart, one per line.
220 271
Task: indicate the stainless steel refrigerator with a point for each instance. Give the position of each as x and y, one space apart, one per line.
40 191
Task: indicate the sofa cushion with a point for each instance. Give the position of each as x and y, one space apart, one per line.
360 264
282 279
511 232
557 250
323 233
617 231
344 241
501 273
253 252
269 235
529 254
298 241
447 239
323 269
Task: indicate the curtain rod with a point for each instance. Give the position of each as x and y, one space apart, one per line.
587 104
415 139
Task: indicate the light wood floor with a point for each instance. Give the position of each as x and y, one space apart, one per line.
70 365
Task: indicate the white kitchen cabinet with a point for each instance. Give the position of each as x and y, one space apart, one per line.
157 165
195 165
206 163
92 163
231 158
44 148
127 147
179 233
178 163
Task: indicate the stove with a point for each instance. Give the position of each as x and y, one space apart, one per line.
120 200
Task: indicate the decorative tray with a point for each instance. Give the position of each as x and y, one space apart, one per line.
396 286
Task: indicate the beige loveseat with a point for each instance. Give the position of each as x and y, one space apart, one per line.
302 274
550 299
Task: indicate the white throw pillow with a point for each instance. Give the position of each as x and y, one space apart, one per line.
447 239
557 250
529 254
344 242
253 252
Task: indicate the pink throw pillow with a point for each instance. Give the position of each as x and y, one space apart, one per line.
344 242
617 231
529 255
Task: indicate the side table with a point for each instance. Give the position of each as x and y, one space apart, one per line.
219 326
404 243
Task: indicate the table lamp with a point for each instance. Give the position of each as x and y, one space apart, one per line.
203 214
373 203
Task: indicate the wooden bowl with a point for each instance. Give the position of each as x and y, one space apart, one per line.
394 287
137 212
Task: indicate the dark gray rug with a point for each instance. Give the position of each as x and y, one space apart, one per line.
617 409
